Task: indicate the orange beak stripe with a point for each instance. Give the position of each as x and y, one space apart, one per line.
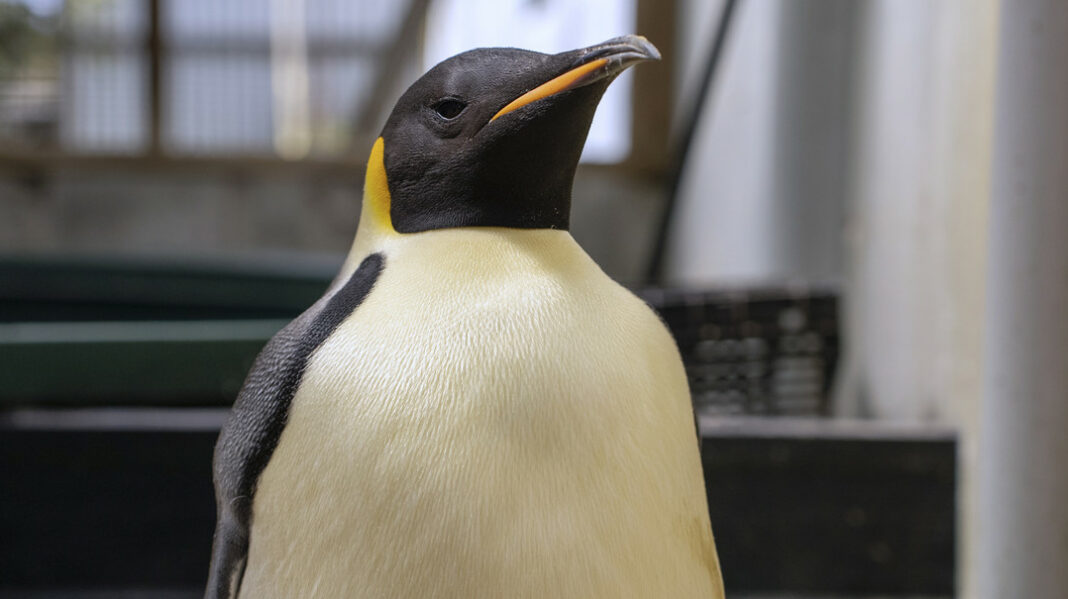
553 86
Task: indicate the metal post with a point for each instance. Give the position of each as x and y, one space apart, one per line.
1021 526
915 241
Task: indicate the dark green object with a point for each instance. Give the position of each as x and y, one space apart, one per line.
163 332
192 362
158 331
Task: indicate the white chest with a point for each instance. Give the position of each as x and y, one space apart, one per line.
496 419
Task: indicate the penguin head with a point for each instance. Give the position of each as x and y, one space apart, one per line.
492 137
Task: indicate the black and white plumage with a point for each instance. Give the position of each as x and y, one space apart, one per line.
473 409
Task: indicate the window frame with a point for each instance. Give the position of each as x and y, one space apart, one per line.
652 102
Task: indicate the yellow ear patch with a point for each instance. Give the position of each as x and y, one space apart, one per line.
376 197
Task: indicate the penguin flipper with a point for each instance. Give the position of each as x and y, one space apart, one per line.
228 554
245 446
250 435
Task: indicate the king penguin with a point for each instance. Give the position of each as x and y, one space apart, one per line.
473 409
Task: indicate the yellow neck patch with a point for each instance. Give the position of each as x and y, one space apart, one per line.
376 197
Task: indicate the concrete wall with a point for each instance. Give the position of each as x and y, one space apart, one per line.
720 226
763 195
209 210
175 211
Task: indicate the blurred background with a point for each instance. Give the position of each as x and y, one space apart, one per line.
850 213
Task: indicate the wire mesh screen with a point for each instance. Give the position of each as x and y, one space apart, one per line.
102 76
769 352
72 75
262 77
284 74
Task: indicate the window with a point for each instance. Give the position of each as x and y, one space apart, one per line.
246 77
261 78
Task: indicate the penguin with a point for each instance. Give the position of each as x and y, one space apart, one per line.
473 409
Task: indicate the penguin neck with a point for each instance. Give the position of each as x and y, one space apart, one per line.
375 218
376 227
376 233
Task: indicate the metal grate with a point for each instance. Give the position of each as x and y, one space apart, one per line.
767 352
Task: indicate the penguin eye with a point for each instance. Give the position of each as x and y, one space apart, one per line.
449 108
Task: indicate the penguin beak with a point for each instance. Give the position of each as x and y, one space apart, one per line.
589 65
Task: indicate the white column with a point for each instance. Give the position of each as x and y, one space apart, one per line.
915 242
1021 523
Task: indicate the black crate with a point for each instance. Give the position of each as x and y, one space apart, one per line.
760 351
108 500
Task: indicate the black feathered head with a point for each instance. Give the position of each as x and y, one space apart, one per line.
492 137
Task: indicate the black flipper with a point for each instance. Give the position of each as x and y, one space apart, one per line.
250 436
